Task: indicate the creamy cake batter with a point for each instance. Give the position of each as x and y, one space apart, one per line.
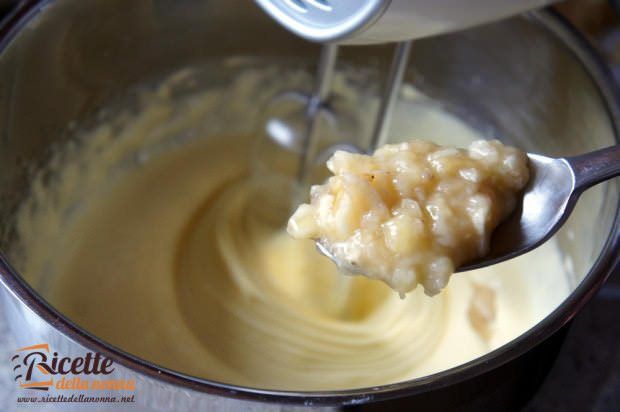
147 236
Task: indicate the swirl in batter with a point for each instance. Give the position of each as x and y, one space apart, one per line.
148 237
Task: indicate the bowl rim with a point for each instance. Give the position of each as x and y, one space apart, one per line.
605 264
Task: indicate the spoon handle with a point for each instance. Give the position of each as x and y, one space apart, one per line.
595 167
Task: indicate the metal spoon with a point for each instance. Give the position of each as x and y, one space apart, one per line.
551 194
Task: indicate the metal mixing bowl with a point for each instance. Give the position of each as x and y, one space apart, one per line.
530 79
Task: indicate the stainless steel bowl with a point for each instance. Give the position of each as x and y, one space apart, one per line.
530 79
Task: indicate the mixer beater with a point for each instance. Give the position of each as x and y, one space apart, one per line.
326 68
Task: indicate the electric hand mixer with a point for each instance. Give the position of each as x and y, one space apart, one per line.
348 22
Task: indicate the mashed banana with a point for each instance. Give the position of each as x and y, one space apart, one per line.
412 212
145 234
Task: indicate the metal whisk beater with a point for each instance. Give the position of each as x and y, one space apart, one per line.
316 105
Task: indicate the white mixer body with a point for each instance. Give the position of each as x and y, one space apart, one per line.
381 21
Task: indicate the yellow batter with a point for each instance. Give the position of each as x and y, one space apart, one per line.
149 239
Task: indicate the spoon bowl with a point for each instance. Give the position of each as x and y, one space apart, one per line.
548 199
